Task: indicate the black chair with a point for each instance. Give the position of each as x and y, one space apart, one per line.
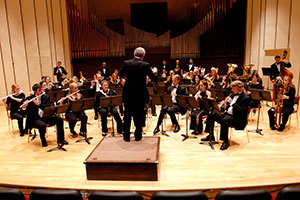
40 194
244 195
99 195
288 193
195 195
11 194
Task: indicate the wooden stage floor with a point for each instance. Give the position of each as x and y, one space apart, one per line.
266 161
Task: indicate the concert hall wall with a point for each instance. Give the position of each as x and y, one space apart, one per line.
34 35
273 24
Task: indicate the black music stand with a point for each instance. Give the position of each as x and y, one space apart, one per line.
212 106
48 112
257 95
115 101
189 103
191 89
267 71
221 94
163 100
78 106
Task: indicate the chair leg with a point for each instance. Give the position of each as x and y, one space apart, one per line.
231 132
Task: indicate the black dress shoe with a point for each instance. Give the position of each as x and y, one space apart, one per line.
138 138
104 134
207 138
156 130
96 117
273 128
64 142
154 114
21 134
195 133
126 139
225 145
44 144
281 128
176 129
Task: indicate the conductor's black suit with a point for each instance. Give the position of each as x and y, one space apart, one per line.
135 94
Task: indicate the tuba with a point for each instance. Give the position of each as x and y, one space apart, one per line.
247 72
278 96
231 68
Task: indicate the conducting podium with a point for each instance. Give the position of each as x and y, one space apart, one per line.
163 100
261 95
110 102
190 103
212 106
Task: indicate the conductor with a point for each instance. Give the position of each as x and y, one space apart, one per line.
135 92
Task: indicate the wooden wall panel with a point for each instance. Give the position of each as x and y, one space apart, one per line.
65 30
43 34
17 43
3 87
271 23
283 24
5 44
51 36
59 41
31 41
247 57
255 38
295 42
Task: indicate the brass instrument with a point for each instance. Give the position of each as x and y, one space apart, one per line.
247 72
209 81
231 68
278 96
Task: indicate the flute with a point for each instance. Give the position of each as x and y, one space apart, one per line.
11 95
63 98
27 102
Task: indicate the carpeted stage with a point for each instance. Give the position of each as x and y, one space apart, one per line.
270 161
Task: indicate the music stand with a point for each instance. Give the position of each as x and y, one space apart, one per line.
189 103
257 95
48 112
212 106
59 94
115 101
267 71
191 89
163 100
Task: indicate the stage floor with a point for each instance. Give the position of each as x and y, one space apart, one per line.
269 160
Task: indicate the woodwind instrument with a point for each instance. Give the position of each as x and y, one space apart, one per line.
27 102
69 95
279 92
11 95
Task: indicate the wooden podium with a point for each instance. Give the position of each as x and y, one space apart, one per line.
115 159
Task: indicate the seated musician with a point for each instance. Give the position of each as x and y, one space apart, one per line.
196 115
279 66
95 89
153 109
174 90
13 103
254 84
35 105
236 107
106 92
177 67
49 83
114 78
168 82
213 75
72 117
287 106
197 81
226 82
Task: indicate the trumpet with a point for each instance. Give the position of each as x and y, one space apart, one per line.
27 102
11 95
63 98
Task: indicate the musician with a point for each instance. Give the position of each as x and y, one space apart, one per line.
196 115
149 99
174 90
104 70
190 66
135 92
81 78
164 66
114 78
197 81
103 111
49 83
177 68
59 71
287 107
35 105
213 75
226 82
236 107
164 74
95 90
13 103
254 84
72 117
168 82
279 66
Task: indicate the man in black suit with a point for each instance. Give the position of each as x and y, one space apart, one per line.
104 71
236 107
34 111
135 92
175 89
277 67
190 66
59 71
